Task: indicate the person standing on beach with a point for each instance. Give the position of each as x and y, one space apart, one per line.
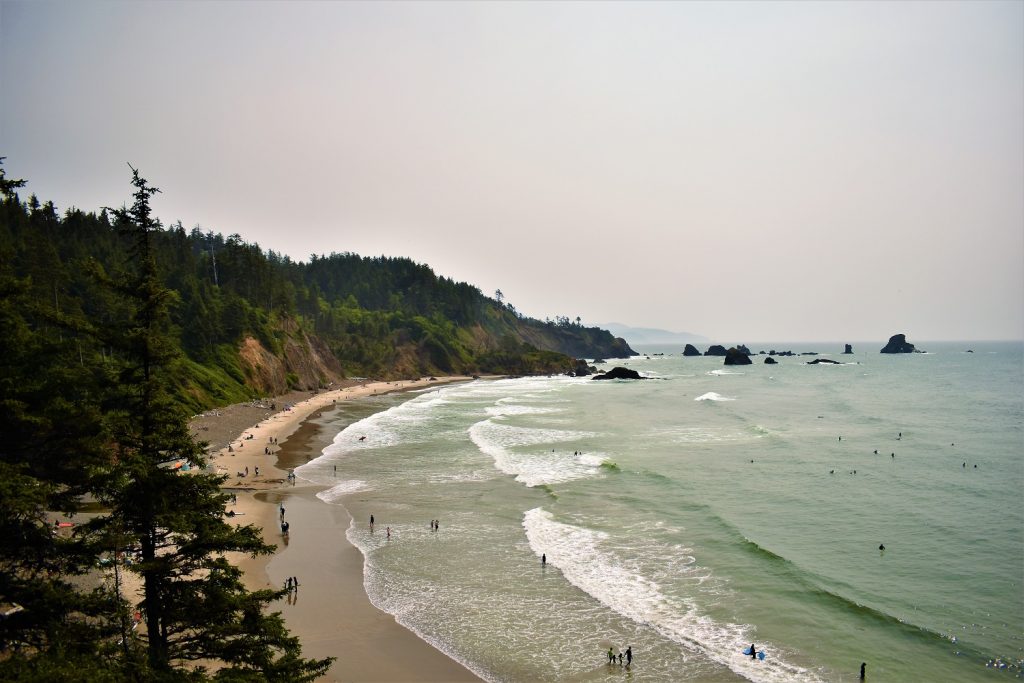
543 559
371 523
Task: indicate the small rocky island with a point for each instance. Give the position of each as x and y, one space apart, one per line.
619 373
848 349
691 350
898 344
736 357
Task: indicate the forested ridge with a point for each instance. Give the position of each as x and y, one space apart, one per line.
253 322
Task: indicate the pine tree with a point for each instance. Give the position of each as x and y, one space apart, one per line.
195 609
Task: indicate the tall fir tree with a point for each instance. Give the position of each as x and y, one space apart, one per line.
196 611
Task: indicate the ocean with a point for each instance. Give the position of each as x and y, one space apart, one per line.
701 510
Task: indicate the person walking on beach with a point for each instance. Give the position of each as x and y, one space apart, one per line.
389 532
371 522
543 559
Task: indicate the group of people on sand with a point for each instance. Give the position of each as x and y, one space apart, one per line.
613 658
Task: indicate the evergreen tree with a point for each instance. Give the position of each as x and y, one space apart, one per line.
54 623
195 608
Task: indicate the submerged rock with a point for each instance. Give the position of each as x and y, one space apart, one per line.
898 344
736 357
691 350
823 360
619 373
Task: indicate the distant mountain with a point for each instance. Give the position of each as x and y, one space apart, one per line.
650 335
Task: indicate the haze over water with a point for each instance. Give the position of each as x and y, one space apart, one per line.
710 507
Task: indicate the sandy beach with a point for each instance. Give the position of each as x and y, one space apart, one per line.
330 612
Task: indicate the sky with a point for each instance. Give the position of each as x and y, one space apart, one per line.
741 171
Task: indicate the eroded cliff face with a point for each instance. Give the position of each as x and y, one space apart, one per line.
305 363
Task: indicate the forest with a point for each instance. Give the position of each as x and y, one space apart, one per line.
250 322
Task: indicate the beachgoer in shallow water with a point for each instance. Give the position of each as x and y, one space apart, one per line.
611 656
753 651
863 665
881 546
629 655
620 659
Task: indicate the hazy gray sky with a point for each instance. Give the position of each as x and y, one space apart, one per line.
745 171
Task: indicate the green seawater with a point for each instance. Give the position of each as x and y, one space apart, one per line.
700 510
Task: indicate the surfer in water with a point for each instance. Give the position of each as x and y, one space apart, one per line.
753 651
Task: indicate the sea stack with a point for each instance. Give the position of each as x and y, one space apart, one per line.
715 350
691 350
619 373
898 344
849 349
736 357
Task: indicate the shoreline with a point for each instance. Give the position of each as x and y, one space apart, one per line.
336 617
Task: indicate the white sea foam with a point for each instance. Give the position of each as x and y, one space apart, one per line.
534 467
713 396
342 489
583 558
699 434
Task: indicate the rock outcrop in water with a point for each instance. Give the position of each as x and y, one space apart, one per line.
743 349
691 350
581 369
848 349
816 361
736 357
770 361
715 350
619 373
898 344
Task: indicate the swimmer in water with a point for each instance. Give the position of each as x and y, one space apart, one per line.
881 546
